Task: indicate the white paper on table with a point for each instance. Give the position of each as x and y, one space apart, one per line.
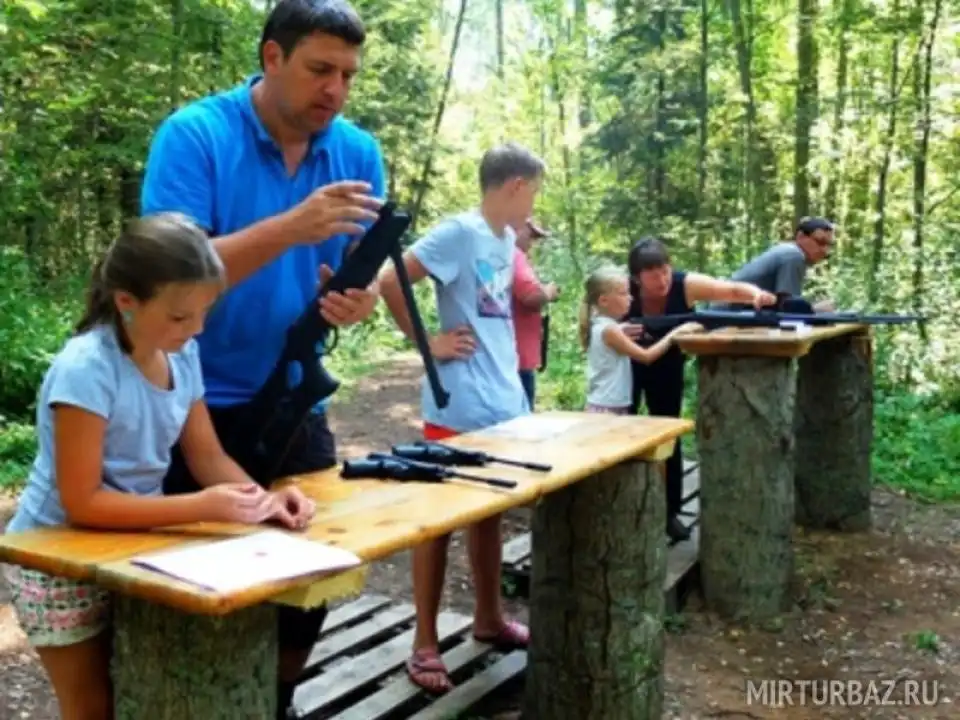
243 562
532 427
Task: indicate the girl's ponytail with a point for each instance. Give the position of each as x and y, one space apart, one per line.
100 306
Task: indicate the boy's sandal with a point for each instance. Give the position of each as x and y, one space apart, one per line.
427 671
512 636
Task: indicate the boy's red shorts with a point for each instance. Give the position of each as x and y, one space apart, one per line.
437 432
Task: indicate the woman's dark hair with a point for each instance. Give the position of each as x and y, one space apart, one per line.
152 252
646 254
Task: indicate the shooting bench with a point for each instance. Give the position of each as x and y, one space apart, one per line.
183 653
682 557
784 434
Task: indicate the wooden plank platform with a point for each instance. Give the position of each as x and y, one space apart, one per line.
356 669
682 557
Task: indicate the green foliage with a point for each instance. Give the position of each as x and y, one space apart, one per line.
18 446
917 445
34 321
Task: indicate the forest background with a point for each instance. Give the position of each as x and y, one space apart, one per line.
714 123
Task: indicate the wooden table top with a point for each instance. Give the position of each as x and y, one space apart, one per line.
762 342
370 518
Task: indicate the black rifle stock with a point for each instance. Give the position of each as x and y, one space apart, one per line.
381 466
440 454
299 380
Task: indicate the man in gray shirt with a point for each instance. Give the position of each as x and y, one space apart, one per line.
782 269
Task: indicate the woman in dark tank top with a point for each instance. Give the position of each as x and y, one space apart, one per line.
657 288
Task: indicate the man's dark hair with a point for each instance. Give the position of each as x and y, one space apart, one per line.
507 161
646 254
808 226
291 21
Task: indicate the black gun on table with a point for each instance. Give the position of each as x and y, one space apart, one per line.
440 454
381 466
793 311
299 381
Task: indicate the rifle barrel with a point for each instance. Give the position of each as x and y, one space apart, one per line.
540 467
496 482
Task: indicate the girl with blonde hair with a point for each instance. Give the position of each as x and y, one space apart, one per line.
609 343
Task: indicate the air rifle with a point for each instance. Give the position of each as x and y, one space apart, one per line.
299 381
380 466
439 454
794 311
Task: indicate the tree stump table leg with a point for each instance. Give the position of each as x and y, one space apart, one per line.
834 428
746 445
171 665
597 600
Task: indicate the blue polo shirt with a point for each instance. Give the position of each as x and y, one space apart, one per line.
214 161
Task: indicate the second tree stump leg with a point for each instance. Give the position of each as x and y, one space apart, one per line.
834 426
597 598
746 445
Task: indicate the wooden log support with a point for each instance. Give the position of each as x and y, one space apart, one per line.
171 665
834 430
746 445
597 602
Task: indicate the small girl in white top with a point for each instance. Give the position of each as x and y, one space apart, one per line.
608 342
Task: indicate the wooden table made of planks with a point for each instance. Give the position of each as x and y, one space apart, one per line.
599 562
784 433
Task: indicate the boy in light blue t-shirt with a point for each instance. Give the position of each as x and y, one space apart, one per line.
470 259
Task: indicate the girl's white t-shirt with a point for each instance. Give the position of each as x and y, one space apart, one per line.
609 380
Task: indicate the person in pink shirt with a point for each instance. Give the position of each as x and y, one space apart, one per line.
530 296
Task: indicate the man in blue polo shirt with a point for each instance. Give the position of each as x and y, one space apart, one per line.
283 183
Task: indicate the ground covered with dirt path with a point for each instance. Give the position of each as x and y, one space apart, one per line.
880 608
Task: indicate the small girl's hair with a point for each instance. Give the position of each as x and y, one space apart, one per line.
152 252
601 281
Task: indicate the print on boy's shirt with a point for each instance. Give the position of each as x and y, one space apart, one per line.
494 276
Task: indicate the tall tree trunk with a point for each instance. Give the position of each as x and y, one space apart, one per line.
922 83
703 117
806 114
559 98
742 39
581 32
176 21
501 54
839 122
879 225
438 119
658 181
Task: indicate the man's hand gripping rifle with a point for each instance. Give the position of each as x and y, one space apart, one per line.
299 381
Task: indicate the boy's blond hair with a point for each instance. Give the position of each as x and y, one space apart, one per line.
601 281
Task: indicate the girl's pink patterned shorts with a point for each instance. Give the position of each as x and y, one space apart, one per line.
56 611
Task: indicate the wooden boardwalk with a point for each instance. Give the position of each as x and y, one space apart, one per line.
682 557
356 670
